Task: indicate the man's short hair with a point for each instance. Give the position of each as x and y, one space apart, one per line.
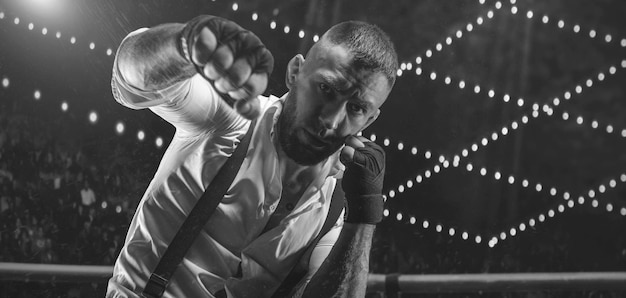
372 48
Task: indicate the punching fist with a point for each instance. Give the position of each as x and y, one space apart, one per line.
233 59
363 180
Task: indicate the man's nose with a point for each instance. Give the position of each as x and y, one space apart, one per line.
331 117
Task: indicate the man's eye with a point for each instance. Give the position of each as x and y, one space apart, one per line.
355 108
325 88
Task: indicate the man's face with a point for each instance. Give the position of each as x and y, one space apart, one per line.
328 101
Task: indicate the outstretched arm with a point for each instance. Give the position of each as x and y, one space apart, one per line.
150 62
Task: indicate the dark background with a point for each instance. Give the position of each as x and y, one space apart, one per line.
504 50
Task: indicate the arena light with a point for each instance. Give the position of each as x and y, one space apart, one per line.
159 142
64 106
93 117
119 128
141 135
45 8
5 82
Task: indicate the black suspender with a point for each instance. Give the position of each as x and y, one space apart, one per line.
297 273
196 219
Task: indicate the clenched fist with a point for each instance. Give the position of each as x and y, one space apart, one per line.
363 180
233 59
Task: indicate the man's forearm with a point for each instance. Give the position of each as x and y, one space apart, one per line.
150 60
345 270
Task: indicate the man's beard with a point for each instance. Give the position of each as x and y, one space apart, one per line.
302 153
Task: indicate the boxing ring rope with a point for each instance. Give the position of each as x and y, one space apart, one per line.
428 283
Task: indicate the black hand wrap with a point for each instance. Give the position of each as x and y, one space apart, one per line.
240 41
363 184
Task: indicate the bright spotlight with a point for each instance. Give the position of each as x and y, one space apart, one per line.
93 117
119 128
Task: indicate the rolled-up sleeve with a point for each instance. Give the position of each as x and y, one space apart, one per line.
191 105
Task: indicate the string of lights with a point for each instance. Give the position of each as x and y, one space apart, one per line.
444 162
568 203
480 20
548 109
273 24
44 31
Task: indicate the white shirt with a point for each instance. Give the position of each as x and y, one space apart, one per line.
207 131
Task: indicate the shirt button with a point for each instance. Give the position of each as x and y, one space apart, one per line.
289 206
272 208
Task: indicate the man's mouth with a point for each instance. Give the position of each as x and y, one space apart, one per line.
314 140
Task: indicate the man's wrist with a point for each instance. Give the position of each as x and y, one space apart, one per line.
366 209
182 46
187 34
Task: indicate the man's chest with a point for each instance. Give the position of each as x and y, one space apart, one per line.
290 196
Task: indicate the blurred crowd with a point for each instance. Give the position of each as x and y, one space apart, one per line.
61 205
57 205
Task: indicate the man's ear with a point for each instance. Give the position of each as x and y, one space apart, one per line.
371 119
293 68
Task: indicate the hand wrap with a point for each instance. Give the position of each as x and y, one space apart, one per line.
240 41
363 184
